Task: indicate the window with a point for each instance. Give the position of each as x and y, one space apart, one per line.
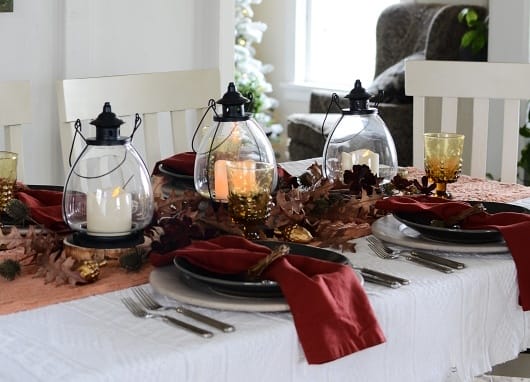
335 42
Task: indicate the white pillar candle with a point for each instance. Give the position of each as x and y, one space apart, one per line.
346 161
109 212
368 158
221 181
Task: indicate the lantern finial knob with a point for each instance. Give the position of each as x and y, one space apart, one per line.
107 127
233 105
359 100
107 108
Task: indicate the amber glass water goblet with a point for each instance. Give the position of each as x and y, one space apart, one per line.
443 159
249 194
8 177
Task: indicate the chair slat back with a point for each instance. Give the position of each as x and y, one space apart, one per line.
482 82
181 96
15 110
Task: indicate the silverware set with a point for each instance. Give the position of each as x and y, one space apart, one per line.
428 260
147 306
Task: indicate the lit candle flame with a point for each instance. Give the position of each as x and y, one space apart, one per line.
116 192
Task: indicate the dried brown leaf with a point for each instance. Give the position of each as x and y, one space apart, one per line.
12 239
292 203
56 267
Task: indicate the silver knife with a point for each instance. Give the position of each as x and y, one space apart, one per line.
185 325
429 264
205 319
438 259
387 276
377 280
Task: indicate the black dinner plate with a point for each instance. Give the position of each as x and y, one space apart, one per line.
421 223
235 285
171 172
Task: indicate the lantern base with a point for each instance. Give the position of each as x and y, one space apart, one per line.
83 239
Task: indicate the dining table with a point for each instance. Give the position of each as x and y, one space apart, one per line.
440 327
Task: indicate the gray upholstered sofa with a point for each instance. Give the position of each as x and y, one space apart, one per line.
404 31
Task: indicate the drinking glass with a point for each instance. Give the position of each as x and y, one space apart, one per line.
443 159
8 177
249 194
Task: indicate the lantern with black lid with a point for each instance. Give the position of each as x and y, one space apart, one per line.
235 137
108 198
359 137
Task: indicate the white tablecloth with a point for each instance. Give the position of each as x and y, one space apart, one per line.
439 328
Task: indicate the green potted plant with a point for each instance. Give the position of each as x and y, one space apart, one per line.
474 41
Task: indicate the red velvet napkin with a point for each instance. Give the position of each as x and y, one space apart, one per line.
514 227
331 311
183 163
45 207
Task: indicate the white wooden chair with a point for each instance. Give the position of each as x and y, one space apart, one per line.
482 82
15 110
184 94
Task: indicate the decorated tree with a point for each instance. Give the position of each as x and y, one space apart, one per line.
249 71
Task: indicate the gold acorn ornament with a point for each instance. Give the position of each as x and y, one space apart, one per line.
295 233
90 270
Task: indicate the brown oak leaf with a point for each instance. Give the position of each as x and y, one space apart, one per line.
56 267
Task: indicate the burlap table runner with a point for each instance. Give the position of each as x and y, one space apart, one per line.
28 292
468 188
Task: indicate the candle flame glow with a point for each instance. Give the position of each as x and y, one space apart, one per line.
116 192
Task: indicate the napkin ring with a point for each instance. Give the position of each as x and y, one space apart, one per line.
454 220
255 271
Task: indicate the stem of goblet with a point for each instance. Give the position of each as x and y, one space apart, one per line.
441 190
250 232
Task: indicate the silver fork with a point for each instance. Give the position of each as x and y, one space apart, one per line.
423 255
386 255
150 303
380 250
138 311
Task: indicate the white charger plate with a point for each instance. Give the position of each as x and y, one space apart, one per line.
167 282
389 229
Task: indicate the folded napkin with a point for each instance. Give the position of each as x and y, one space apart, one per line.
514 227
183 163
45 206
331 312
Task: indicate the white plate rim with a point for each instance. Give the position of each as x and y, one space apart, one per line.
389 229
167 282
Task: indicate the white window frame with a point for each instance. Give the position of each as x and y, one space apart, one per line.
298 89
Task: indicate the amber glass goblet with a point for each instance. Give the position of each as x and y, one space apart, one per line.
249 194
8 177
443 159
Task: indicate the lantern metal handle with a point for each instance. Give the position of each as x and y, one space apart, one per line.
250 103
77 128
377 99
334 101
211 105
137 123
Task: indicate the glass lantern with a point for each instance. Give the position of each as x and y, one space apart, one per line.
108 198
359 137
235 136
